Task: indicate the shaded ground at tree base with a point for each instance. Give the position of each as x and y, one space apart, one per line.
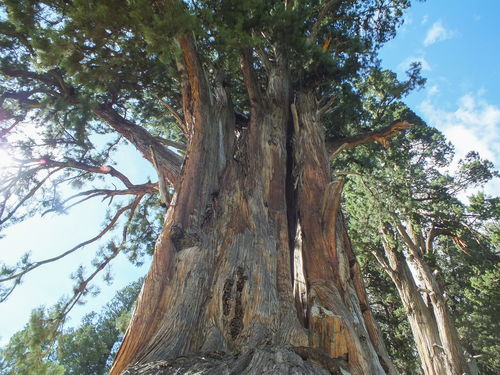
293 361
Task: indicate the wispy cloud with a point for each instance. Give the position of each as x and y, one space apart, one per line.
433 90
405 64
473 126
425 18
437 33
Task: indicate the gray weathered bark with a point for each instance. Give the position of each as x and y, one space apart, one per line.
435 335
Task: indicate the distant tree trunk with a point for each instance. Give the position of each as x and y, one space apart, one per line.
435 335
253 272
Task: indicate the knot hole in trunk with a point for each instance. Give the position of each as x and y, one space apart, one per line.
232 306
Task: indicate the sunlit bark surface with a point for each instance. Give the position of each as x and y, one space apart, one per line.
254 272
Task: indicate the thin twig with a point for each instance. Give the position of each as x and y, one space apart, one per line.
80 245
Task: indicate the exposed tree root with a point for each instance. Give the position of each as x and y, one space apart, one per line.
293 361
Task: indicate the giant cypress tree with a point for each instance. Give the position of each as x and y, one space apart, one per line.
253 271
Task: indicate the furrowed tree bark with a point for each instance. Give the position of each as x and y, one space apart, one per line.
338 323
253 272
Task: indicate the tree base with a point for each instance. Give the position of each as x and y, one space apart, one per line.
296 361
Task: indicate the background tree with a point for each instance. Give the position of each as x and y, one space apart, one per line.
404 198
88 349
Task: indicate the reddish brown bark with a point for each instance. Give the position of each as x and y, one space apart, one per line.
220 292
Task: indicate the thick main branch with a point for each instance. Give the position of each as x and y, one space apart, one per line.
169 162
335 146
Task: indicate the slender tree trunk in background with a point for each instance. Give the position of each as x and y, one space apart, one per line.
435 335
253 272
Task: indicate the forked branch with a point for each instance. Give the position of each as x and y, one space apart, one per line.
103 169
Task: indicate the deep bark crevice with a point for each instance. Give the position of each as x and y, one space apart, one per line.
249 263
236 323
291 195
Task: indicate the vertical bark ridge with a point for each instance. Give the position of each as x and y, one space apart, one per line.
360 289
436 337
448 334
160 327
221 279
422 323
336 322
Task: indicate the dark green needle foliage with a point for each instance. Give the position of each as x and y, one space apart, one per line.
413 183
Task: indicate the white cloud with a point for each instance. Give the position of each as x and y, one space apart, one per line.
425 19
433 90
405 64
437 33
473 126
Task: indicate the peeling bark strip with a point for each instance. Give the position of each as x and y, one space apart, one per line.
232 282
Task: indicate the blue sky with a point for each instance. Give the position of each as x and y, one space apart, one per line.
458 44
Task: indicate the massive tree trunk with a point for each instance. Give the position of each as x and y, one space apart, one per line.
253 272
435 335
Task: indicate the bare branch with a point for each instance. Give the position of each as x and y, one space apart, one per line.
134 190
381 136
143 189
106 229
103 169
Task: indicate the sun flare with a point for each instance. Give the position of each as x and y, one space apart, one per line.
5 159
